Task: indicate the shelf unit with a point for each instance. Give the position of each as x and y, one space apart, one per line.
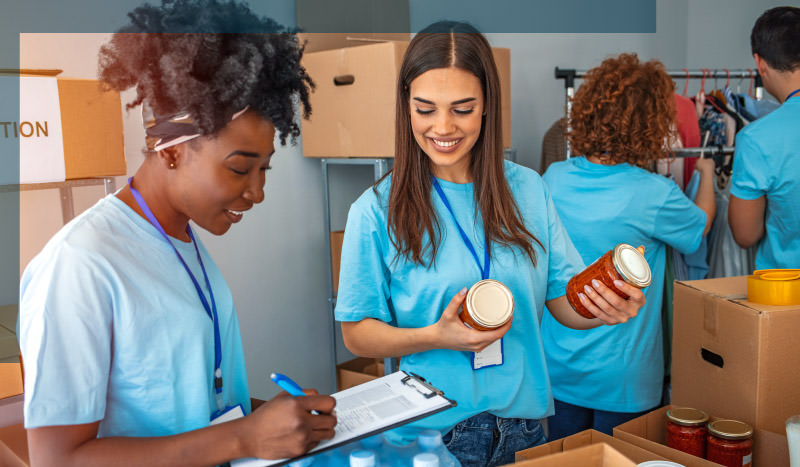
380 166
65 189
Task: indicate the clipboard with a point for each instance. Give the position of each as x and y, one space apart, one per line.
373 407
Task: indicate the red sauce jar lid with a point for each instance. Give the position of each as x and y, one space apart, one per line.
631 265
490 303
687 416
730 429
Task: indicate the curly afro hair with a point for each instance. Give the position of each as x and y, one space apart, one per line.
624 112
209 58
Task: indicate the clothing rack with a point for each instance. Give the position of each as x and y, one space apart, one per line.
707 151
569 75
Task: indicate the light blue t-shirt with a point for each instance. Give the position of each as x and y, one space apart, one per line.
112 329
373 284
617 368
767 163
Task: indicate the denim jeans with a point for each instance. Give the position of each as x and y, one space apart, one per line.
570 419
486 440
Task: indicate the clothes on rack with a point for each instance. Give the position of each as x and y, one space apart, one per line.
725 257
554 144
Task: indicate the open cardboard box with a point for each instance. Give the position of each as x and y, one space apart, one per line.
587 438
595 455
358 371
354 100
737 359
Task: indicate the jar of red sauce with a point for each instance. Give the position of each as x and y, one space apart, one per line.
686 430
730 443
489 304
623 262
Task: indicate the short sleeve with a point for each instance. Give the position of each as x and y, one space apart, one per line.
65 337
363 276
679 222
564 262
750 179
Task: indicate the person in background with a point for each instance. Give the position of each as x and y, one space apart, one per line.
412 246
623 117
128 330
764 207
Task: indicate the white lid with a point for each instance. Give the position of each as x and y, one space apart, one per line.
660 464
429 439
632 265
490 302
362 459
426 459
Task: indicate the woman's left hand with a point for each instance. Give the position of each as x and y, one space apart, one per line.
609 307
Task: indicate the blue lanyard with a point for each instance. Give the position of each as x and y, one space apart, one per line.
486 259
212 309
792 94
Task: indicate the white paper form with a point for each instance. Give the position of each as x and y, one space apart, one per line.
371 408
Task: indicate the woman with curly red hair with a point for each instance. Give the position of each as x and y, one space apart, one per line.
622 120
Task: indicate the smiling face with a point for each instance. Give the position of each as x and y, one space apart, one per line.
446 106
219 177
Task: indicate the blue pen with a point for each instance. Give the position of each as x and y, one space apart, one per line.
287 384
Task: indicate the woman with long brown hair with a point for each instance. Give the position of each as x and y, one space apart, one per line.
622 119
453 212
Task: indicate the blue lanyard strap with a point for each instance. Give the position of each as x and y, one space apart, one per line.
210 310
486 258
792 94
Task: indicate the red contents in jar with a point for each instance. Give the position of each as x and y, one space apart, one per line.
689 439
602 270
730 452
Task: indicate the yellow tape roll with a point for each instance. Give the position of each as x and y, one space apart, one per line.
774 287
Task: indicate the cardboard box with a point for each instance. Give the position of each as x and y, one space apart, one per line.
595 455
586 438
64 129
337 238
358 371
735 358
318 41
649 432
354 100
10 380
15 439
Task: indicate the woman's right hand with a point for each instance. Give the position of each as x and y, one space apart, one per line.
704 165
451 333
285 427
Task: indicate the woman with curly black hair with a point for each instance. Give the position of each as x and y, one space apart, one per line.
127 328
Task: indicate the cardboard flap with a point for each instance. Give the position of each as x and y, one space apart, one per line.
724 287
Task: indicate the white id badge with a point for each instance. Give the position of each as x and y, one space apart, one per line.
492 355
231 413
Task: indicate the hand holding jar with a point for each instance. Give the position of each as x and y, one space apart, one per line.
451 333
609 289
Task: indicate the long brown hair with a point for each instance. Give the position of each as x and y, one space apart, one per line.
411 214
624 112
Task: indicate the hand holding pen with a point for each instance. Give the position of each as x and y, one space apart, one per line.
288 426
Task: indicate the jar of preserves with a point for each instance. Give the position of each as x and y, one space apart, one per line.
489 304
623 262
686 430
730 443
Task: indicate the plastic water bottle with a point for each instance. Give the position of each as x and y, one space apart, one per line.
398 455
430 441
362 458
304 462
426 459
